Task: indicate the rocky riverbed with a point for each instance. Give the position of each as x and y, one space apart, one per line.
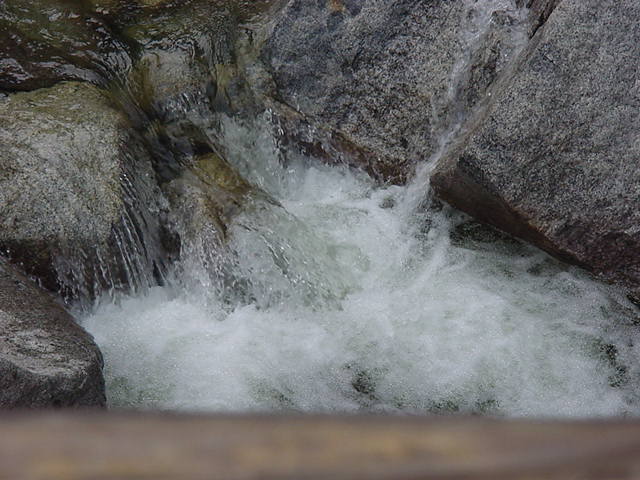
252 204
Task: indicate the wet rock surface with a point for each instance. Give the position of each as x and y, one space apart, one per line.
184 74
384 76
553 157
79 205
43 42
175 68
206 197
46 359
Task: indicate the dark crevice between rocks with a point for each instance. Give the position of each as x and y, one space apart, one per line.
540 11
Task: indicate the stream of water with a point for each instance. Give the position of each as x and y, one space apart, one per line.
341 295
359 297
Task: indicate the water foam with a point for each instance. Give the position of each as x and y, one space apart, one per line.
367 298
347 296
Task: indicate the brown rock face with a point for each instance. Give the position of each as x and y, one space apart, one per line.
553 157
46 359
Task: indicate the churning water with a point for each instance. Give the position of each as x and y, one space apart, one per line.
355 297
334 294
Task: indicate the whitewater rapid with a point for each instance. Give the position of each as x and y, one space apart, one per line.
351 297
334 294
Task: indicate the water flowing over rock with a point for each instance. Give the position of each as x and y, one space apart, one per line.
553 156
46 359
180 165
175 71
184 76
204 200
388 78
79 204
45 41
187 61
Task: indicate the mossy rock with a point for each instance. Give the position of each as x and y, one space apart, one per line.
213 170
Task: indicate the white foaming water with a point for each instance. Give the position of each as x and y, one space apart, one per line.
346 296
359 297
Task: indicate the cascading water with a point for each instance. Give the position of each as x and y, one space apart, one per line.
350 296
332 293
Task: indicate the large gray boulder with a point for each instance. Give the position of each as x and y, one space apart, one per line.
554 155
386 79
46 359
79 202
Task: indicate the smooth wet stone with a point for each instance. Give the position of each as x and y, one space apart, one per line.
553 157
170 81
79 203
46 358
177 60
43 42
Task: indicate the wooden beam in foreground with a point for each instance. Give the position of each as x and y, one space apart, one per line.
101 446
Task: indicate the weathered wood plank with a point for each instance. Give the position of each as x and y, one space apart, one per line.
68 446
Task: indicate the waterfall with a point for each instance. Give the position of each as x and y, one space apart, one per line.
332 293
349 297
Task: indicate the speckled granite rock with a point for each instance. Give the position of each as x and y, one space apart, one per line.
79 204
553 158
384 77
46 359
